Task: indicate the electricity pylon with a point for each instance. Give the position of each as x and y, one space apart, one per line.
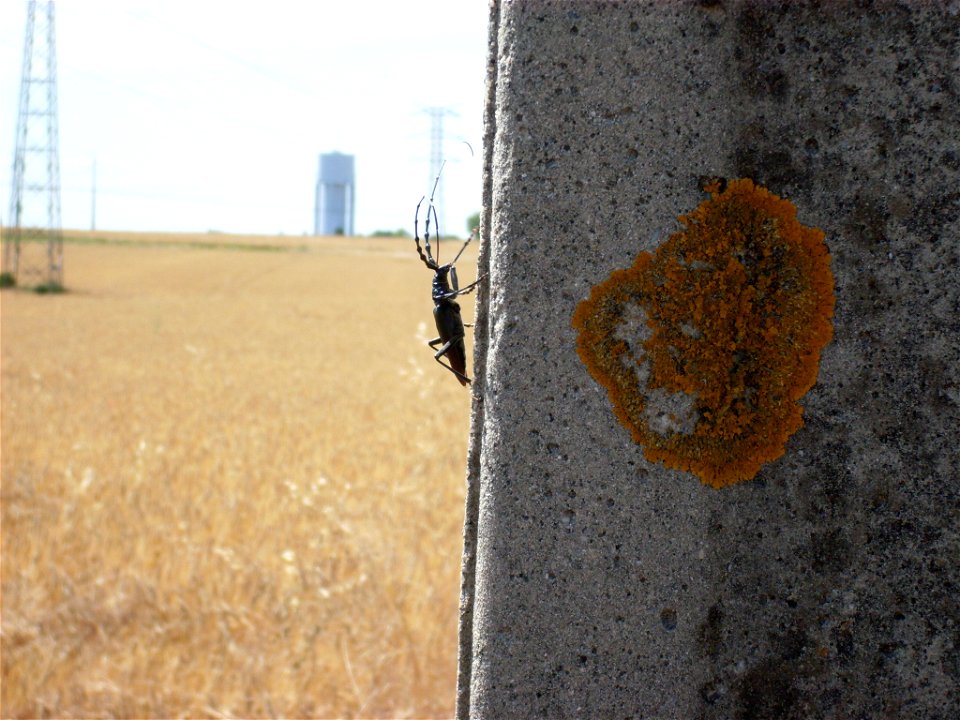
34 220
436 159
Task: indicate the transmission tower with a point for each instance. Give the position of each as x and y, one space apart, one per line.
33 243
436 158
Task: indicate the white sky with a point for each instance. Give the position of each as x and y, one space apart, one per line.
210 114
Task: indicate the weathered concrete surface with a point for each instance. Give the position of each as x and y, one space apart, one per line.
599 585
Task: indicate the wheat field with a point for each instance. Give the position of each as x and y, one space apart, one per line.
232 482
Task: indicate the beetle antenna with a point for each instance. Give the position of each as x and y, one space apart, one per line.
428 258
426 232
436 230
437 181
433 209
462 248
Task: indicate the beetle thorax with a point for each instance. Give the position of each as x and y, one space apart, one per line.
441 283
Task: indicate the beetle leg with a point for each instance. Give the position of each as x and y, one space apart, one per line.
460 375
443 351
464 290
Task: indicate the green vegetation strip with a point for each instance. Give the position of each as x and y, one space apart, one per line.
188 244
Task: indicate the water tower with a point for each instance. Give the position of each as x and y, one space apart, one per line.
335 204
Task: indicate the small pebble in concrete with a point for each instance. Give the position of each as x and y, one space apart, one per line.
668 618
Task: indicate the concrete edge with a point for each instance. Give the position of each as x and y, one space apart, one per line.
481 336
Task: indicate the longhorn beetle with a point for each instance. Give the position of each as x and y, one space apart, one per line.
446 310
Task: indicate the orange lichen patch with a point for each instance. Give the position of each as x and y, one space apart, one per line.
706 346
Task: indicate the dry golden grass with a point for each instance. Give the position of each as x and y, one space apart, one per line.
232 485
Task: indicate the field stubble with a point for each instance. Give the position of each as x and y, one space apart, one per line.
232 486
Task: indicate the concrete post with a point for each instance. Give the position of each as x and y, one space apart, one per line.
600 584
